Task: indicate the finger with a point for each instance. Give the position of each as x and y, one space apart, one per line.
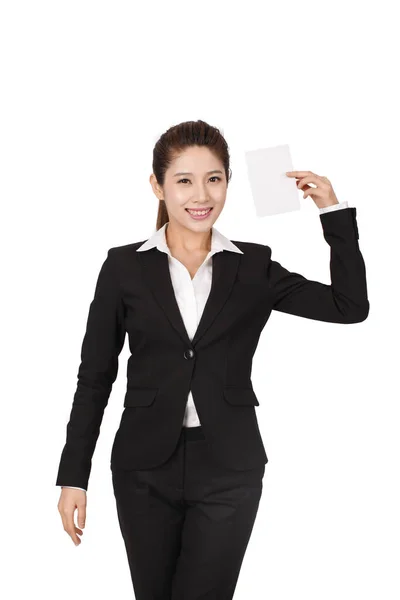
70 527
314 192
302 184
306 174
304 187
66 521
317 182
298 173
81 515
79 532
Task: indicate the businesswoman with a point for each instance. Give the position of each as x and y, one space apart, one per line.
188 460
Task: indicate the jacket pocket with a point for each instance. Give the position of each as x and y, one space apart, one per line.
140 396
240 396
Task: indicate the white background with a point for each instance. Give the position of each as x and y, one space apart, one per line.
86 90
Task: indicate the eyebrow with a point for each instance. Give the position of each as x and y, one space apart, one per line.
187 172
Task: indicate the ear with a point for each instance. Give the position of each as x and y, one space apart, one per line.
157 189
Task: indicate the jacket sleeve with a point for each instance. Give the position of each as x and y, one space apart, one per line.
101 346
346 299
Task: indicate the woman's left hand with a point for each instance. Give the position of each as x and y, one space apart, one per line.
323 195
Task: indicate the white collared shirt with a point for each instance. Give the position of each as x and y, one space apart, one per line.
191 294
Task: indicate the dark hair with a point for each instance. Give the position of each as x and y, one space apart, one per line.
175 140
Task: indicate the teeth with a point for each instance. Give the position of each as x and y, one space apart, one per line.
199 212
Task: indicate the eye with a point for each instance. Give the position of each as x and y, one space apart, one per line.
214 177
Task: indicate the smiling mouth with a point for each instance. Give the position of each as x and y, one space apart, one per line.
199 211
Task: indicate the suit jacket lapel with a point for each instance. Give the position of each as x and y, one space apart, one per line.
155 271
225 266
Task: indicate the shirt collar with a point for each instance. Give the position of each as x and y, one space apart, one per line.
218 242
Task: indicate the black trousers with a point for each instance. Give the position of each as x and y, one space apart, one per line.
186 524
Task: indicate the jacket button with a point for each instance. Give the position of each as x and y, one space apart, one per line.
189 353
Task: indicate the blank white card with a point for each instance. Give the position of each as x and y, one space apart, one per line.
273 191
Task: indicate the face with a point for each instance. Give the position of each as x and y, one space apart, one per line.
194 180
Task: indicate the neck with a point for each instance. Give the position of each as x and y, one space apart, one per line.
182 239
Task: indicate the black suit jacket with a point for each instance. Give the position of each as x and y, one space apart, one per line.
134 294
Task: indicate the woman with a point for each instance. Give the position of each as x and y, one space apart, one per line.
188 459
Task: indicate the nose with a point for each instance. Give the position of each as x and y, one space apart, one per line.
201 194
